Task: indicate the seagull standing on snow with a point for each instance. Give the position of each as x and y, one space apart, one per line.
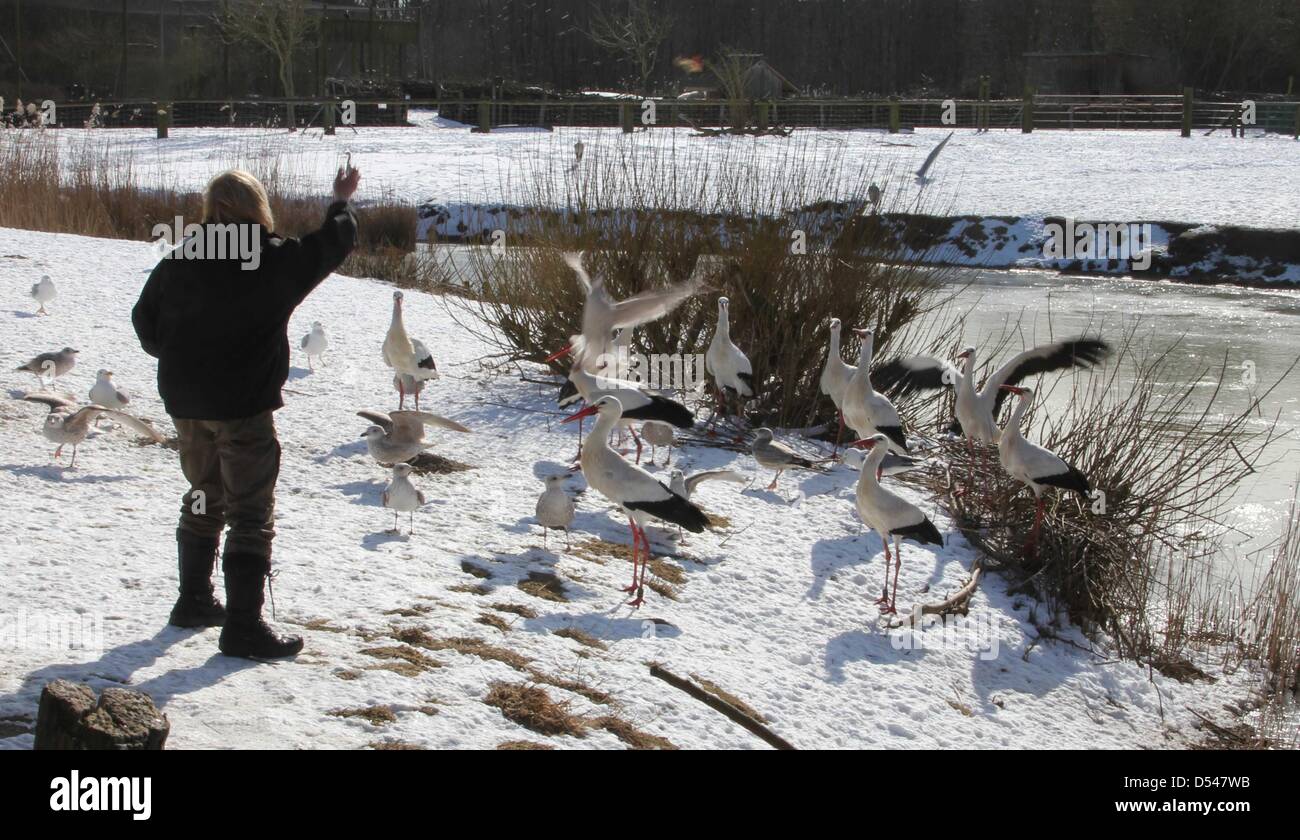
1033 465
402 495
657 433
67 425
890 515
399 435
775 456
52 365
638 493
104 392
404 355
730 368
43 292
835 377
555 508
314 343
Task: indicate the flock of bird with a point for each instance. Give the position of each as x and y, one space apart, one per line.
861 394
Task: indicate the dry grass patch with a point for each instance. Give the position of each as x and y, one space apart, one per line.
427 463
717 521
410 612
582 637
494 621
404 659
630 735
321 624
578 687
474 569
471 588
375 715
412 636
544 585
524 745
516 609
348 674
667 572
395 745
477 647
532 708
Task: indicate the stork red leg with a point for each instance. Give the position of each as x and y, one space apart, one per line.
1031 547
892 608
635 547
884 590
838 435
639 582
637 439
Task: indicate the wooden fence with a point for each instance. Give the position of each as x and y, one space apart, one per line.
1033 112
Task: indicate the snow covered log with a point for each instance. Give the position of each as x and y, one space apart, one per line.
70 718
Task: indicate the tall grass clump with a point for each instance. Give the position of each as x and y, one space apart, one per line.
778 228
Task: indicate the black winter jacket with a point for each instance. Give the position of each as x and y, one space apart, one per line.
220 332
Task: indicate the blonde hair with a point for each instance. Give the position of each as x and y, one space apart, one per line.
234 197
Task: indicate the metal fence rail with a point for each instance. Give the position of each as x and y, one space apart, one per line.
1043 111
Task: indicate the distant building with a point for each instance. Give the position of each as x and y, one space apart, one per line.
762 81
1095 72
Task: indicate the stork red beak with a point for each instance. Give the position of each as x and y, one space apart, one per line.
860 333
1013 389
586 412
863 444
568 348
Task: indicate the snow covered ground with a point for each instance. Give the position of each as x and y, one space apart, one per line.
1095 175
774 605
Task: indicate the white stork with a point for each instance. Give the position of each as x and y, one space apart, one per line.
724 361
404 355
602 315
835 378
1033 465
977 410
640 495
867 411
890 515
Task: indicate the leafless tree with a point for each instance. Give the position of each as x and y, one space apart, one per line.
281 27
634 34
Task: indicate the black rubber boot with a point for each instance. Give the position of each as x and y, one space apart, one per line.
197 606
245 633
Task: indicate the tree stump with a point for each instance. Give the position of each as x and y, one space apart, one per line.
70 718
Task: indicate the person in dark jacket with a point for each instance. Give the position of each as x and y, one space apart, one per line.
215 313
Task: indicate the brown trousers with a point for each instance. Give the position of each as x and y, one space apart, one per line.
232 466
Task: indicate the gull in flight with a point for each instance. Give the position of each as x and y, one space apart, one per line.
922 176
68 425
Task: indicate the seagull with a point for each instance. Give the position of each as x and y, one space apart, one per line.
873 196
66 424
890 516
921 176
315 343
1033 465
775 456
658 434
555 508
867 411
685 487
724 361
835 377
578 148
638 493
977 410
602 315
104 392
404 355
52 365
402 495
43 292
398 436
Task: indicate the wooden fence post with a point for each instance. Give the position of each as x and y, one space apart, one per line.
329 117
895 115
1187 111
164 119
485 117
1297 121
763 109
625 117
1027 112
